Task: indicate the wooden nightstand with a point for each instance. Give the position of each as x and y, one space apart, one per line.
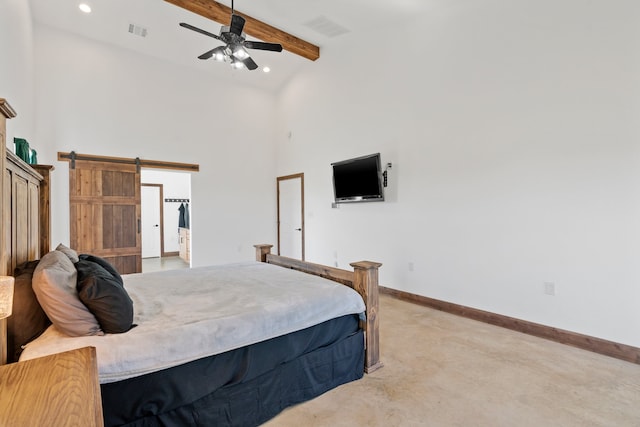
57 390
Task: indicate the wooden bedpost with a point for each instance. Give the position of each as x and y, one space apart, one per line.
365 282
363 279
262 251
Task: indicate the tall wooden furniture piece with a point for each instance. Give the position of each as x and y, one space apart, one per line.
22 191
25 205
58 390
62 389
45 207
6 112
23 222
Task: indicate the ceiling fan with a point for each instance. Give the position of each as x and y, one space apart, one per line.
235 49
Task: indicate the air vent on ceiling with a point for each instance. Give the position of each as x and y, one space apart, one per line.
325 26
137 30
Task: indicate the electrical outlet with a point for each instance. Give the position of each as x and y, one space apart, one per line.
410 266
549 288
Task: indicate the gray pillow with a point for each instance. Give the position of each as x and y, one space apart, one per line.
73 255
54 283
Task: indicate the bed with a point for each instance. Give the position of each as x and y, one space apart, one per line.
210 379
239 364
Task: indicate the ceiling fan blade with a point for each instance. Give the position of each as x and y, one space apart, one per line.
274 47
214 51
249 63
198 30
207 55
237 24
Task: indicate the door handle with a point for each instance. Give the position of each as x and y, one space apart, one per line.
298 229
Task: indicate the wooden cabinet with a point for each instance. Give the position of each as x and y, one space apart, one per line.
185 244
6 112
45 207
58 390
21 212
24 226
22 222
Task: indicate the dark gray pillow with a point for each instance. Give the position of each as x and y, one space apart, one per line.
104 264
105 296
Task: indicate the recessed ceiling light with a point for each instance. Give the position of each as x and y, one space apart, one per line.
266 69
84 7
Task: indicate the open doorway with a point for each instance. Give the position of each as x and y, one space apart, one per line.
166 219
290 200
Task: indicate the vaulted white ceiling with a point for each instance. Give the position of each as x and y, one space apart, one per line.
325 23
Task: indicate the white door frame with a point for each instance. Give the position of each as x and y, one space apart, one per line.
299 176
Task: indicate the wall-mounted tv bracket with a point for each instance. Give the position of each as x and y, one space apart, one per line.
384 174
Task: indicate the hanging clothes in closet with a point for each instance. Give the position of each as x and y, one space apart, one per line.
183 218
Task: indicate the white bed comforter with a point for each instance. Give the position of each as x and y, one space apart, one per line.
184 315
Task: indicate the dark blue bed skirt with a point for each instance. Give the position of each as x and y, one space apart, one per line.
242 387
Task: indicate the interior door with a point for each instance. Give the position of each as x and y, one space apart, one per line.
291 216
104 200
151 220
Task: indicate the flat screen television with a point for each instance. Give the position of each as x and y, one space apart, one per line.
358 179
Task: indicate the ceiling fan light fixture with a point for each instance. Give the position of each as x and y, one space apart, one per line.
239 52
237 64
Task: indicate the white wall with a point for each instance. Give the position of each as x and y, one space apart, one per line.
175 185
97 99
514 133
513 129
16 68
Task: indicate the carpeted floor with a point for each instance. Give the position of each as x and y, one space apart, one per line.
444 370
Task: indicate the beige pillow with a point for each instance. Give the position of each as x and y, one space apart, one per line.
54 283
73 255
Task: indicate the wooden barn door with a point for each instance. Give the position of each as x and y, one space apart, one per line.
104 200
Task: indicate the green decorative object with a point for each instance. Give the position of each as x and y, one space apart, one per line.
22 149
33 157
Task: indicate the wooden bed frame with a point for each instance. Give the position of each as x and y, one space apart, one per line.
363 279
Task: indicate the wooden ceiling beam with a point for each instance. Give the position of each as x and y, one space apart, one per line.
220 13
